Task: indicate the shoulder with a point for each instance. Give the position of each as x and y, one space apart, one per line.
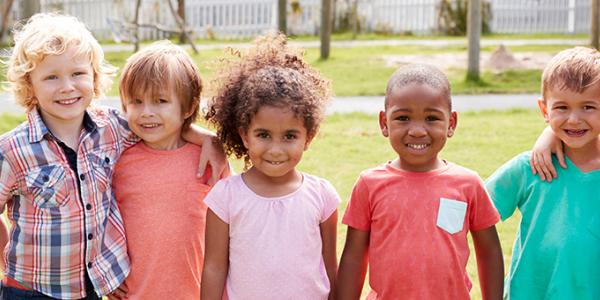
18 138
377 173
464 173
104 115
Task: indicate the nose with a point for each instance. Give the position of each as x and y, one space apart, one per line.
417 130
67 85
574 118
147 110
276 149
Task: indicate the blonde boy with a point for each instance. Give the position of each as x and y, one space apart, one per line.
558 243
66 235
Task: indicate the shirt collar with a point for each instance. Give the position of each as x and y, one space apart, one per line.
38 129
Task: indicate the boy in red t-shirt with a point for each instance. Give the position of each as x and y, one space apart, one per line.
409 218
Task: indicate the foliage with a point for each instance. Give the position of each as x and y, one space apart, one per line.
452 17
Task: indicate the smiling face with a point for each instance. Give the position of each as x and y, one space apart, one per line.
157 120
276 140
574 117
417 122
63 86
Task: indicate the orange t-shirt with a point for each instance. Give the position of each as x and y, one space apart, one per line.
161 202
418 224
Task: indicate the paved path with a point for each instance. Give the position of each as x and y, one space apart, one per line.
367 104
440 43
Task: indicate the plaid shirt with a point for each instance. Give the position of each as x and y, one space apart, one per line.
58 231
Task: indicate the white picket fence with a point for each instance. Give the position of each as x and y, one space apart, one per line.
240 18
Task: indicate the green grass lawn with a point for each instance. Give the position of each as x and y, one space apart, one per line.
350 143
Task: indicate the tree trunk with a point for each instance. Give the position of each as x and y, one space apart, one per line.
30 8
136 34
181 13
474 35
354 18
5 18
326 10
594 20
181 25
282 16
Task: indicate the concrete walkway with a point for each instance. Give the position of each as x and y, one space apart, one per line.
439 43
372 105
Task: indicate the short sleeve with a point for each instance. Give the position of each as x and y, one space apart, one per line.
483 213
126 137
7 181
506 185
358 211
217 200
331 200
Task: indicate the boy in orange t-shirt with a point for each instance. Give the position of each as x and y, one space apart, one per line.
159 196
409 218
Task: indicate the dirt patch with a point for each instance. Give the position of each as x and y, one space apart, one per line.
499 60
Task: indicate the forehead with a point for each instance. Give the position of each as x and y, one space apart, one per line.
417 95
590 94
276 118
68 59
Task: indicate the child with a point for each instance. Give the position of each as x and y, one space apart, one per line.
271 231
556 249
66 236
409 218
159 196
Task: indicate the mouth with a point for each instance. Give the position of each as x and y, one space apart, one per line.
149 125
68 101
417 146
275 163
575 133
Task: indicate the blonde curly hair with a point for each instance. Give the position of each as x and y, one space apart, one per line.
52 34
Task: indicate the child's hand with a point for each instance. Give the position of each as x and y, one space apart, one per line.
119 293
541 156
212 153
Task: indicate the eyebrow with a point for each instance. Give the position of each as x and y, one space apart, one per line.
409 110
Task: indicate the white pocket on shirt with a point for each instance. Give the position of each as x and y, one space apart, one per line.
451 215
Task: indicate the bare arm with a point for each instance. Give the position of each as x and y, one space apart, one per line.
212 152
329 239
216 258
541 156
3 241
353 265
490 264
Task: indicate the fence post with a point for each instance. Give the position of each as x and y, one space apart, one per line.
326 24
571 20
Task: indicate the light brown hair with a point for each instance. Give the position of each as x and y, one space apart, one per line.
158 67
574 69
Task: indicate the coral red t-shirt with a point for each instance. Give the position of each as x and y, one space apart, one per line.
418 224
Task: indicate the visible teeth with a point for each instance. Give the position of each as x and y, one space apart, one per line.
149 125
417 146
275 162
68 101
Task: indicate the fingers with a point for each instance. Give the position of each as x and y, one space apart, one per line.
561 157
202 164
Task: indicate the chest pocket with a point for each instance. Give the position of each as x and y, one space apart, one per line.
48 186
451 215
103 162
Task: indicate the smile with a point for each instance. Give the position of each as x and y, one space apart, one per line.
275 162
151 125
68 101
575 133
417 146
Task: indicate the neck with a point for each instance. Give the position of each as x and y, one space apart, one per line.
268 186
586 158
67 131
418 168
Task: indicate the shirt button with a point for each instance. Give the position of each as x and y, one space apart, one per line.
106 160
45 178
90 236
89 265
88 206
82 177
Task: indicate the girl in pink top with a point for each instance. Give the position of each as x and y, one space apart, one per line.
271 231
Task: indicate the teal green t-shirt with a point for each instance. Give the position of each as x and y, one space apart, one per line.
556 254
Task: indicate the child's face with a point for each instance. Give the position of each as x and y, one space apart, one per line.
275 140
64 87
417 122
574 117
157 121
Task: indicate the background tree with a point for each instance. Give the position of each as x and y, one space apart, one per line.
5 17
594 20
282 16
326 24
473 35
181 14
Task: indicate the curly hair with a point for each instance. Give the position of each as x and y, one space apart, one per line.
52 34
268 74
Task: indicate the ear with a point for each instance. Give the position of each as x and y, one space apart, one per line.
453 123
244 136
191 110
309 140
543 105
383 124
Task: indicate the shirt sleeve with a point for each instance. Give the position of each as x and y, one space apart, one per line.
483 213
506 186
217 200
7 181
358 211
332 200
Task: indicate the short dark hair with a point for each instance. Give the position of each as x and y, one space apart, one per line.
421 74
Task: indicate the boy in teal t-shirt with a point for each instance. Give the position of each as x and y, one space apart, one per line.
557 246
